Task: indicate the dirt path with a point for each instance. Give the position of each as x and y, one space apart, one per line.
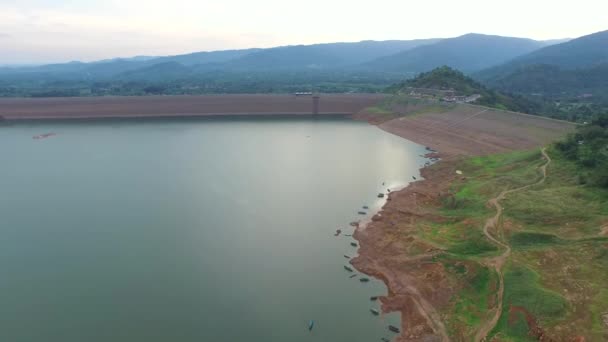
499 261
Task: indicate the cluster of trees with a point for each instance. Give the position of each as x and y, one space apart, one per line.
588 147
207 83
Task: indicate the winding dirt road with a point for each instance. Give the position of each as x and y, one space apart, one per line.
499 261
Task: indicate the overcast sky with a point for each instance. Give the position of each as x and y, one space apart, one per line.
41 31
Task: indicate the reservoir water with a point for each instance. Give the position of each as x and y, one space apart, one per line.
191 230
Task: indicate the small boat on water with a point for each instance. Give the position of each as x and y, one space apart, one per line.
374 311
43 136
354 244
349 269
365 207
394 329
380 195
373 298
311 325
364 280
352 276
361 213
346 256
348 234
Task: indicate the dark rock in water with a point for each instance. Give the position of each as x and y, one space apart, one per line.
338 232
364 280
361 213
354 244
380 195
394 329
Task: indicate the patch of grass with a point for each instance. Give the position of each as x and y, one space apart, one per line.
469 308
400 105
523 289
461 238
473 246
531 239
560 205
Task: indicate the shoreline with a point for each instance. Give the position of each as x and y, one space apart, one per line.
375 255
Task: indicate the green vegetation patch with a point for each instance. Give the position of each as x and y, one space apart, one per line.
523 290
469 308
561 205
400 105
531 239
476 245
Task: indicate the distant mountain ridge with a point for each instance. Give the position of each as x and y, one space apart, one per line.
300 57
577 66
468 53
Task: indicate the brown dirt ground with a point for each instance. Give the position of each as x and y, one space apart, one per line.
151 106
474 130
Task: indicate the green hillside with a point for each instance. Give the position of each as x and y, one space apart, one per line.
448 79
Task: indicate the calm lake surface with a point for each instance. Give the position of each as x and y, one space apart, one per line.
191 230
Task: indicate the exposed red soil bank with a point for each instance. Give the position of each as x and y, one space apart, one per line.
156 106
390 249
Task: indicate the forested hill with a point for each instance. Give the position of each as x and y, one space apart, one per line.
589 148
447 79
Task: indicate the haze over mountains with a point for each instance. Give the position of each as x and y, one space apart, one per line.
579 66
513 65
469 53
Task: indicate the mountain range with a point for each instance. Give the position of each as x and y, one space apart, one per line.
469 53
552 69
577 67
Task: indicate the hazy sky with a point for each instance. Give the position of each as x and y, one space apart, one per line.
37 31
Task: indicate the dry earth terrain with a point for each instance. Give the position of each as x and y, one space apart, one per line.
461 129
